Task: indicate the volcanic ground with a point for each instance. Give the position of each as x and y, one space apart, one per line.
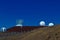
41 33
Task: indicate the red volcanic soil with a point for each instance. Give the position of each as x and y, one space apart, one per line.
24 28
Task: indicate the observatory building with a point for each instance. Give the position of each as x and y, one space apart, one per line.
42 23
3 29
51 24
19 23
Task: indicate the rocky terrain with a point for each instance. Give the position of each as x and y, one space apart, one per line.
45 33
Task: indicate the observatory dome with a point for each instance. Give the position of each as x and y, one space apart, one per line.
51 24
3 29
42 23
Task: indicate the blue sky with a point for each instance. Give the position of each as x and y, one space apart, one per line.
30 11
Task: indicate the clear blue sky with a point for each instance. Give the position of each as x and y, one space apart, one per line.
31 11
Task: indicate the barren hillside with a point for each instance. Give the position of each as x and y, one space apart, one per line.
46 33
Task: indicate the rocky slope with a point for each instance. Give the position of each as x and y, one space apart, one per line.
45 33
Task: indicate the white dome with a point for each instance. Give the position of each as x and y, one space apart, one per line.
42 23
51 24
3 29
19 25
